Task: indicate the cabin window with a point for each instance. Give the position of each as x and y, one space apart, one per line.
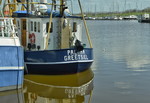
34 26
51 29
31 26
38 26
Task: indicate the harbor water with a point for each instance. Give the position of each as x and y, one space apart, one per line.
120 72
122 61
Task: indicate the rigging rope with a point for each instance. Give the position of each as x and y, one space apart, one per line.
87 32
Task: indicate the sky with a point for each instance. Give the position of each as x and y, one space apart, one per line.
112 5
106 5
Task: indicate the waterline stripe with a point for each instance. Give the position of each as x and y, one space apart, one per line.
4 68
85 61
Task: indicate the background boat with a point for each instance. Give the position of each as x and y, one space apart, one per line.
145 18
11 56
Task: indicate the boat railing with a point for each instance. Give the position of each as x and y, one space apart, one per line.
7 28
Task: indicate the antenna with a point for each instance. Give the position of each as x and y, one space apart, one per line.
125 5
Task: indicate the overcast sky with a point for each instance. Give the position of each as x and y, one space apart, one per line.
112 5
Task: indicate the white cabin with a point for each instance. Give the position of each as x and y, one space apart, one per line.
63 32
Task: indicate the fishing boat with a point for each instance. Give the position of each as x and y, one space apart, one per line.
67 88
11 55
52 38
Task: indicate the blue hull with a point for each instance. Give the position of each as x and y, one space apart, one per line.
11 67
61 61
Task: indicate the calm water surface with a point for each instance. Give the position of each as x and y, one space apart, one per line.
122 61
121 70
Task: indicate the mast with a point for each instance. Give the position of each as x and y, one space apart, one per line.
125 5
65 29
95 10
27 8
61 7
54 1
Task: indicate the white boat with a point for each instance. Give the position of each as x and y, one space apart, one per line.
52 38
145 18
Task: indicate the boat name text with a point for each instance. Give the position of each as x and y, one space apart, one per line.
73 55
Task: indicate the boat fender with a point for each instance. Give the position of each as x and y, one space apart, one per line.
79 46
65 23
33 46
38 47
29 46
32 38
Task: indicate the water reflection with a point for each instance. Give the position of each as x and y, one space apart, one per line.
13 96
124 42
75 88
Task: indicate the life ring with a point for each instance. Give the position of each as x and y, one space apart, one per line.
32 38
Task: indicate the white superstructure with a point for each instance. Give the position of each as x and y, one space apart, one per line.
36 32
7 33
